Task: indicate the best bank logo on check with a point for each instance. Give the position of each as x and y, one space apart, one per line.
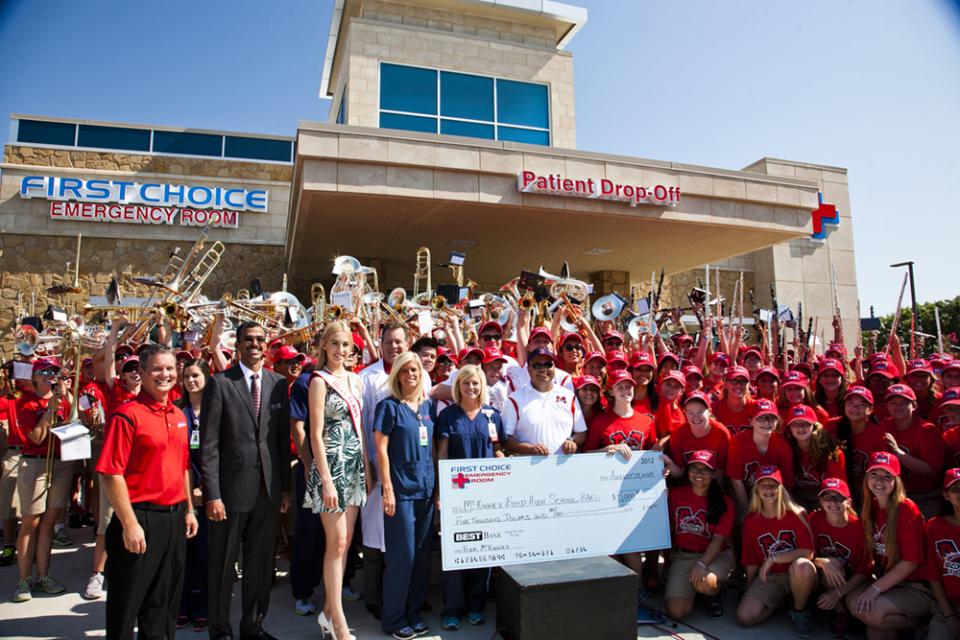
463 475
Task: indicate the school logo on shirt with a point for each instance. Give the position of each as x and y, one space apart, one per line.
694 523
879 543
559 399
785 540
950 557
832 549
632 438
750 471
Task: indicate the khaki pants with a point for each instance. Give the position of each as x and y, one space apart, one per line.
682 564
772 592
9 469
35 495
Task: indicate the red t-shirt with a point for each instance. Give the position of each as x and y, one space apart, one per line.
30 409
683 443
862 445
734 421
808 478
114 397
951 440
146 442
943 555
938 418
608 428
845 543
8 417
669 418
909 537
744 460
763 537
642 405
834 408
923 441
688 520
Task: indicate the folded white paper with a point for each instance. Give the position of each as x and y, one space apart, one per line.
74 441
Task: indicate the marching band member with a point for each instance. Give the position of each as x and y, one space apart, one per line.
831 387
947 412
700 432
670 416
645 398
899 598
590 399
337 485
920 378
778 555
841 555
496 386
9 463
768 383
519 376
794 392
734 408
543 418
594 364
701 519
882 374
757 447
694 378
403 433
859 435
471 428
42 498
570 354
918 445
816 455
145 469
943 553
621 423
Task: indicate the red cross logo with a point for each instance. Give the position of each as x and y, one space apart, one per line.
822 215
459 480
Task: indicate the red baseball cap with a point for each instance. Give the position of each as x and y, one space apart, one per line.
801 412
919 366
490 325
492 354
570 336
444 352
752 351
795 379
950 397
831 364
612 333
183 355
676 376
540 331
641 359
128 360
681 337
770 371
764 407
669 355
123 350
900 390
471 351
951 365
951 477
618 376
617 356
286 352
834 484
884 460
883 368
692 370
583 381
736 372
699 396
704 457
41 364
769 472
838 348
718 356
595 355
861 392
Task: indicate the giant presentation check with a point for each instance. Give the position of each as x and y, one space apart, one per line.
500 511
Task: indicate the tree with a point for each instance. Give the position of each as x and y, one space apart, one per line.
949 325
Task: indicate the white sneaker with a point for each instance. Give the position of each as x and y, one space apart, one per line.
94 587
304 607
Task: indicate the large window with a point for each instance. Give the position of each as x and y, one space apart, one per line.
461 104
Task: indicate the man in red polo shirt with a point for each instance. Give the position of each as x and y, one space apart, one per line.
145 470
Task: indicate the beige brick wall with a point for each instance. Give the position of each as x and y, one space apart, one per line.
474 45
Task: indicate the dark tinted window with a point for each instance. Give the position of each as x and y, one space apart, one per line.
470 129
113 138
407 123
194 144
466 96
408 89
528 136
46 132
522 103
257 149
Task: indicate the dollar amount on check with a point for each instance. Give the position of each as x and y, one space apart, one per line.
532 509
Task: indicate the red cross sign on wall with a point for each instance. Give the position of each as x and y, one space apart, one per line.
823 215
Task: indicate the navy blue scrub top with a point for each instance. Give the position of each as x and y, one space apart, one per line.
411 464
468 438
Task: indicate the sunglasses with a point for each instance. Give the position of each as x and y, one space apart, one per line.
541 365
48 373
489 337
572 346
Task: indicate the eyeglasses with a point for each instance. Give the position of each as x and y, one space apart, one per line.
572 346
48 373
489 337
739 382
832 497
541 365
258 339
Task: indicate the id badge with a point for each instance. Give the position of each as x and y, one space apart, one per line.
492 430
195 439
424 436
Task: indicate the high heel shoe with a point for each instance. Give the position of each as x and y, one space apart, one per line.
326 625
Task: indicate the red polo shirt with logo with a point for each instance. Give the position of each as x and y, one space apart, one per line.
688 520
764 537
847 544
943 557
924 441
146 442
30 408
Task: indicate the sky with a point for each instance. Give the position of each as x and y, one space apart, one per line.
870 85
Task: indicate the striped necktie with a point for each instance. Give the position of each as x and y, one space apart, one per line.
255 394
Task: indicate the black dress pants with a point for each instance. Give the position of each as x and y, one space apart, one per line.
145 587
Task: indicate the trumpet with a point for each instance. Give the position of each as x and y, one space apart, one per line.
298 336
318 302
245 312
439 304
527 302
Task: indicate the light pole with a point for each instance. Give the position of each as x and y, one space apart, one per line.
913 293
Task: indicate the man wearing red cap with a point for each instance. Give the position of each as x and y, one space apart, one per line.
543 418
289 363
917 444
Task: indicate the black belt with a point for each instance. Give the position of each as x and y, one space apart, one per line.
152 506
31 456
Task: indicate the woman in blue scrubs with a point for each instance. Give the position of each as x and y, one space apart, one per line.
468 429
403 434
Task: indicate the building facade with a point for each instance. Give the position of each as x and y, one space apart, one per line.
452 126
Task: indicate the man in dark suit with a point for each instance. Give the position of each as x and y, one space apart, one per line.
245 453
